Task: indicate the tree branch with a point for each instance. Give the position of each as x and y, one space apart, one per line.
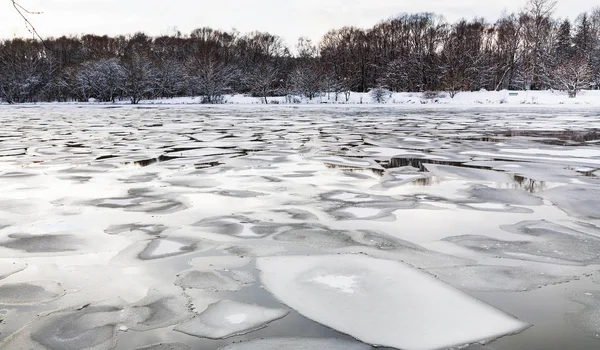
22 11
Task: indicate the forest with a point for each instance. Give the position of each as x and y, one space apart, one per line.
530 49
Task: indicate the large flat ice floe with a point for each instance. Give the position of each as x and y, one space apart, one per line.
382 302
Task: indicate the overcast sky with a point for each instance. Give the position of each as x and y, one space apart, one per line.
287 18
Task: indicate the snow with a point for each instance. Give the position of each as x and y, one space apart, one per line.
466 98
362 212
382 302
227 318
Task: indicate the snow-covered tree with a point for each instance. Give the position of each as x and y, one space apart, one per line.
140 78
379 94
572 76
102 79
262 80
171 78
307 80
211 78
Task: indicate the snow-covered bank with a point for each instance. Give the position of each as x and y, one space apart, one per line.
588 98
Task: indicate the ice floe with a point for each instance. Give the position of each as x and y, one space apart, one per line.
382 302
227 318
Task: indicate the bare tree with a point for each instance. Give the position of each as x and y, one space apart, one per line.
262 80
572 76
537 25
140 78
23 12
379 94
211 78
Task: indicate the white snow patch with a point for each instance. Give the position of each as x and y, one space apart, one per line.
362 212
342 283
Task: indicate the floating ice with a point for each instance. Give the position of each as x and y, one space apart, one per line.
253 250
139 200
167 247
30 293
214 274
503 196
237 226
156 310
483 278
86 327
296 344
42 243
165 346
211 281
468 173
8 268
364 213
240 193
581 202
317 237
543 241
227 318
153 230
587 319
382 302
348 162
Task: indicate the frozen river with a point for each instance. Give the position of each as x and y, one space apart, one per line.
299 228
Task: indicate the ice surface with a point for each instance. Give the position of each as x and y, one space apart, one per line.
11 267
153 230
165 346
382 302
211 281
237 226
166 247
253 250
363 213
85 327
468 173
543 241
29 293
503 196
116 203
296 344
156 310
42 243
484 278
215 274
317 237
587 319
227 318
581 202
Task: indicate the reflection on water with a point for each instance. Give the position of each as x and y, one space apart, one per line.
529 185
419 163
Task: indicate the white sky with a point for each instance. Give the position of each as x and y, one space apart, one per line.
287 18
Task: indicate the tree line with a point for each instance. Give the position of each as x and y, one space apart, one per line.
530 49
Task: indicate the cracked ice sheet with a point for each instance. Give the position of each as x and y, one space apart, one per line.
382 302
